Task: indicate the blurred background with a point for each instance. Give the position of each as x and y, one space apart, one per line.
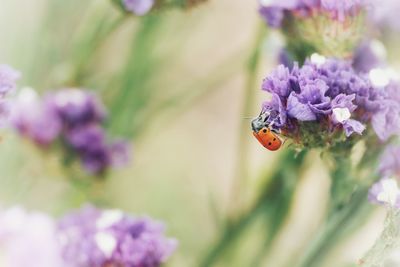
174 84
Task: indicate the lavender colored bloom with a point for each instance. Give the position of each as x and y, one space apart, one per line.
73 118
98 238
385 192
331 94
90 144
138 7
35 120
278 82
77 107
28 239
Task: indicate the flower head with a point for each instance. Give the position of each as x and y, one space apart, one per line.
98 238
331 27
329 95
73 118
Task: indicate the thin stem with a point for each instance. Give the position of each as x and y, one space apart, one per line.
385 244
334 229
241 166
287 171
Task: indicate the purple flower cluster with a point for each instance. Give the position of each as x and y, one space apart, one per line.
73 117
98 238
386 191
89 237
138 7
274 12
332 94
8 79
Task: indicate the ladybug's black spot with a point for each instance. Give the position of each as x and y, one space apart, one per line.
265 131
269 143
274 139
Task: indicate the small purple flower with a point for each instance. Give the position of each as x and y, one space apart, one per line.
35 120
98 238
278 82
138 7
77 107
73 118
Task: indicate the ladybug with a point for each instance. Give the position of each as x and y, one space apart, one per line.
268 139
264 131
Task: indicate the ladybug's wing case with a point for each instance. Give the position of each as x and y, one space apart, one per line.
268 139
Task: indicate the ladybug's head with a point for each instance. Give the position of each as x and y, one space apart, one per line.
262 121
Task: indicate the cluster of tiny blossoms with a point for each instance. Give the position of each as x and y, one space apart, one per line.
73 118
98 238
89 237
8 79
318 102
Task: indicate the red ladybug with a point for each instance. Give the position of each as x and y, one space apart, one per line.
268 139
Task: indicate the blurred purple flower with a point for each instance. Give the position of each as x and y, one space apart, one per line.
75 118
28 239
369 55
77 107
96 154
98 238
35 120
138 7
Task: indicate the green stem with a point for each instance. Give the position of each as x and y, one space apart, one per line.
287 171
91 44
334 229
241 166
